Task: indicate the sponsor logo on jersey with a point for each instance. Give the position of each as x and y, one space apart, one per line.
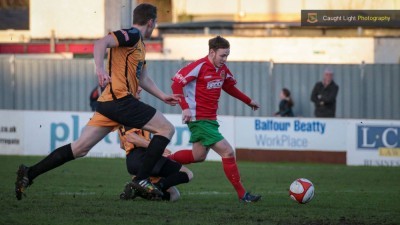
125 35
181 79
215 84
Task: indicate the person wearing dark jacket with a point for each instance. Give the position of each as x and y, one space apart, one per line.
285 105
324 96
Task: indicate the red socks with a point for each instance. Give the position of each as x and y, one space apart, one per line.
232 173
230 168
182 157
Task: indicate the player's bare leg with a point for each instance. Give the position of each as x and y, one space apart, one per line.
159 125
89 137
186 170
225 150
199 152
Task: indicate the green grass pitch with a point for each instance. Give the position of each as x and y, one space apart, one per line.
86 191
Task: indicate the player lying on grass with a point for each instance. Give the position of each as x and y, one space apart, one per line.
201 83
165 174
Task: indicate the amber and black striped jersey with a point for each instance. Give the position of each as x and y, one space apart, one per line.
127 146
125 64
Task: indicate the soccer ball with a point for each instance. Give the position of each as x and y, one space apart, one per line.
301 190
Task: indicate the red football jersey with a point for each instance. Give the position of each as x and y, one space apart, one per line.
202 84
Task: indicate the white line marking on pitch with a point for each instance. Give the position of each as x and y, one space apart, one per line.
75 193
206 193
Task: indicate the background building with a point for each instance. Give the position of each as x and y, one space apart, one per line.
260 30
265 10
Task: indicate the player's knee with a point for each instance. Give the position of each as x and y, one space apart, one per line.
167 130
188 172
190 175
228 154
170 129
200 158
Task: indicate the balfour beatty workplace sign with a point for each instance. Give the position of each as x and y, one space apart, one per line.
291 133
366 142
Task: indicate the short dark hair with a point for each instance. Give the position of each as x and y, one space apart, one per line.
286 92
143 13
217 43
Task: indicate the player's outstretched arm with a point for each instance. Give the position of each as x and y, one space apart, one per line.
148 84
177 88
254 105
233 91
100 48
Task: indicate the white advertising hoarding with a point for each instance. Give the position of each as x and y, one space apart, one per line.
291 133
373 143
40 132
45 131
367 142
11 132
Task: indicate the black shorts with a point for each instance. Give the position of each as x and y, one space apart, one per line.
163 168
127 111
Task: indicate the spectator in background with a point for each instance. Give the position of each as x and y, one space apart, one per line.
285 105
94 95
324 95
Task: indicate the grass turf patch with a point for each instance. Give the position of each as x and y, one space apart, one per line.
86 191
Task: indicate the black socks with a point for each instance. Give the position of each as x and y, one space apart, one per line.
173 180
55 159
153 154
